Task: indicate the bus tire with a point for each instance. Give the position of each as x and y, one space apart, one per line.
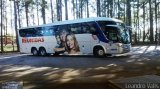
34 51
99 52
42 51
56 54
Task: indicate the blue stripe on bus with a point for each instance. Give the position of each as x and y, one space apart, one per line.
100 34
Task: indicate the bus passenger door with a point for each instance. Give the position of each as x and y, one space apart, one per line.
113 47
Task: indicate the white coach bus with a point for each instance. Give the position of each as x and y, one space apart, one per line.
98 36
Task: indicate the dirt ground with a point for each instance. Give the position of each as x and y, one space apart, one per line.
78 78
47 77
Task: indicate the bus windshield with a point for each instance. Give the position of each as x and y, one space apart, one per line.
116 34
104 23
111 33
115 31
124 35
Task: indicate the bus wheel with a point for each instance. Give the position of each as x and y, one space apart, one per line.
56 54
42 52
34 51
99 52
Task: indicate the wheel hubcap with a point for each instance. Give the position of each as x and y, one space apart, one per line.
100 52
34 52
42 52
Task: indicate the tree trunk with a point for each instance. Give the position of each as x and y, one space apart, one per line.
6 26
32 15
15 16
151 22
59 10
43 11
81 9
103 10
135 26
37 3
73 9
156 34
144 22
87 9
98 8
66 9
118 10
138 30
128 14
26 11
108 8
19 20
111 8
77 11
51 10
1 27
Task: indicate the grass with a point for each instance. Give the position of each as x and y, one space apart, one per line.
9 48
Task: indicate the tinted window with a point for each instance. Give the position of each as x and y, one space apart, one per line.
102 23
76 28
38 31
88 27
111 33
22 33
30 32
47 31
62 28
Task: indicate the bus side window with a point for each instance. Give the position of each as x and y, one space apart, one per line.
39 31
65 27
34 32
92 26
73 29
31 32
62 29
76 28
89 27
51 31
54 28
22 32
85 29
47 31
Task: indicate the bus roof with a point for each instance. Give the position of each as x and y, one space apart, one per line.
77 21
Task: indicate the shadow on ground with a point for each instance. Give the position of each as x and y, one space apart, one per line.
62 78
54 77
